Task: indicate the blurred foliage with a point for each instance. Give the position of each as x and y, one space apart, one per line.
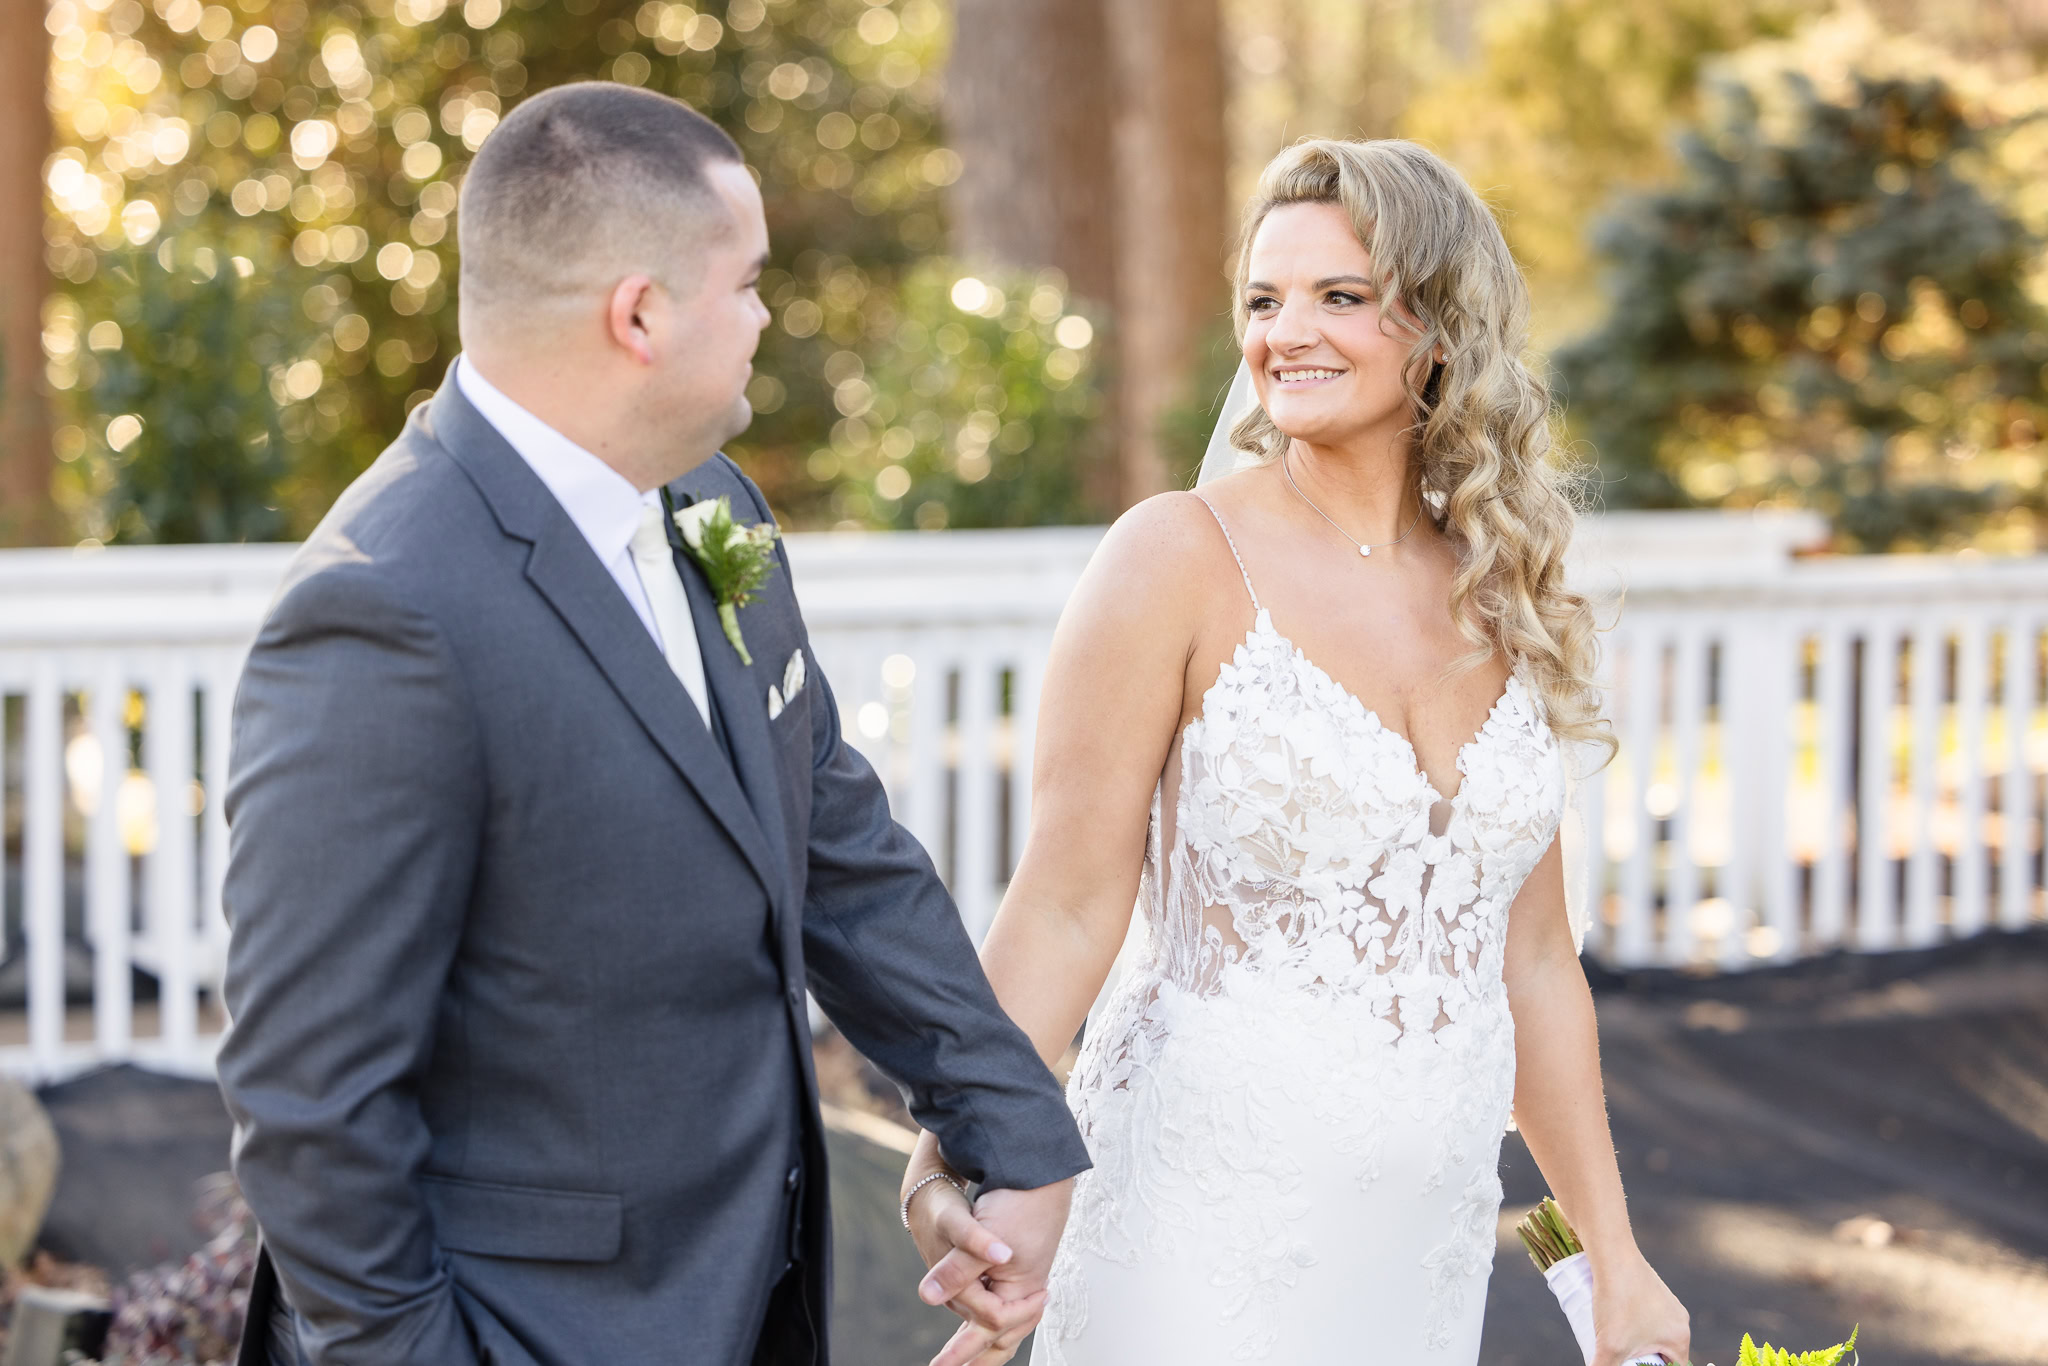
976 399
1569 101
191 358
316 152
1828 309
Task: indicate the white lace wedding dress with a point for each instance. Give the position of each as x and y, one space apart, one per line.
1295 1097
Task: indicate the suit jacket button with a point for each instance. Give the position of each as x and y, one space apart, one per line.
796 996
790 1182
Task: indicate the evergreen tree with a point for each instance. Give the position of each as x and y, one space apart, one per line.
1570 101
1825 310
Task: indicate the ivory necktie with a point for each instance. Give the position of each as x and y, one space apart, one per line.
656 561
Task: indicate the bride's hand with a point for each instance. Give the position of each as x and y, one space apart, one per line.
1635 1314
966 1256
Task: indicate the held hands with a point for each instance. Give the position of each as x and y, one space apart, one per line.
989 1263
1635 1315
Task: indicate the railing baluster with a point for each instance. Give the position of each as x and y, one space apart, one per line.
1930 664
924 805
1688 707
1025 692
1876 927
1634 942
6 690
1777 707
42 863
1834 700
975 869
173 922
1970 908
213 821
108 873
2016 793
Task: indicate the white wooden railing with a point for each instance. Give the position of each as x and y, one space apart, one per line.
1770 710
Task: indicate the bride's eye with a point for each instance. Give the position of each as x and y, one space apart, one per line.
1259 303
1344 298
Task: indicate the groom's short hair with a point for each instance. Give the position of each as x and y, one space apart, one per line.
581 186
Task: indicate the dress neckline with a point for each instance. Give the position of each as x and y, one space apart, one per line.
1262 625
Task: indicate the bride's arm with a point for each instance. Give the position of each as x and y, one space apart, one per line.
1110 704
1561 1111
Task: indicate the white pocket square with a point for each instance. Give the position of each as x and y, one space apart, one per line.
792 684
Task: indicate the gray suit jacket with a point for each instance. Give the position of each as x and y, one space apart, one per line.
520 1065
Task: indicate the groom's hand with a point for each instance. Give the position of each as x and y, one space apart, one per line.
1000 1297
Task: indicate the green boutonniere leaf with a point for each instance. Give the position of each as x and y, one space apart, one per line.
736 559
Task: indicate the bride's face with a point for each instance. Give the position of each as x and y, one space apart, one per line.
1325 364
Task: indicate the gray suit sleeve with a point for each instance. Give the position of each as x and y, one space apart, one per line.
891 965
355 808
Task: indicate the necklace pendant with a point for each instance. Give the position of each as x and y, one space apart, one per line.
1365 550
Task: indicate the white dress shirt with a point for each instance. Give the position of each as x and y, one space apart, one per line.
602 503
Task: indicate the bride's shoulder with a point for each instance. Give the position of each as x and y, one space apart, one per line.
1168 546
1154 570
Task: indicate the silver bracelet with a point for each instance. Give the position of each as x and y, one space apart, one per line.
924 1181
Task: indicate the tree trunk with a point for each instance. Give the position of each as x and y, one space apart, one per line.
1028 106
1171 166
27 515
1091 136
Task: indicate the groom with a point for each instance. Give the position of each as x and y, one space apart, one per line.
529 870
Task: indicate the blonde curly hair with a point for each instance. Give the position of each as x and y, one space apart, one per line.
1484 438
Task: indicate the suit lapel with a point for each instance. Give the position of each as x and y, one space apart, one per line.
740 693
563 570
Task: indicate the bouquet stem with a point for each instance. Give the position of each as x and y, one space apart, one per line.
1567 1270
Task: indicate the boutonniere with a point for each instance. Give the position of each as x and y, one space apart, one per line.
736 559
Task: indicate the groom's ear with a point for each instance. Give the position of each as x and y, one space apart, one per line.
627 316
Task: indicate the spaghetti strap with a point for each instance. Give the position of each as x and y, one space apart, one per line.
1232 543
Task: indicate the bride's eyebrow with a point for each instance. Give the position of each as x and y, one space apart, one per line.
1328 281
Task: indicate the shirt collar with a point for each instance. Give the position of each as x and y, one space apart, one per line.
602 503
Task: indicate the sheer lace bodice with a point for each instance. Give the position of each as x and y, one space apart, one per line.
1322 945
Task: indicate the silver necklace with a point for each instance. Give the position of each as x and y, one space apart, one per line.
1363 548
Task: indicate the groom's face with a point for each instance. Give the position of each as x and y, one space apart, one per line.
714 328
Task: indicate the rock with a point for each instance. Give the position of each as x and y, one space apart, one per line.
28 1170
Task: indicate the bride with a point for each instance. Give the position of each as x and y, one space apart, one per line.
1312 720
